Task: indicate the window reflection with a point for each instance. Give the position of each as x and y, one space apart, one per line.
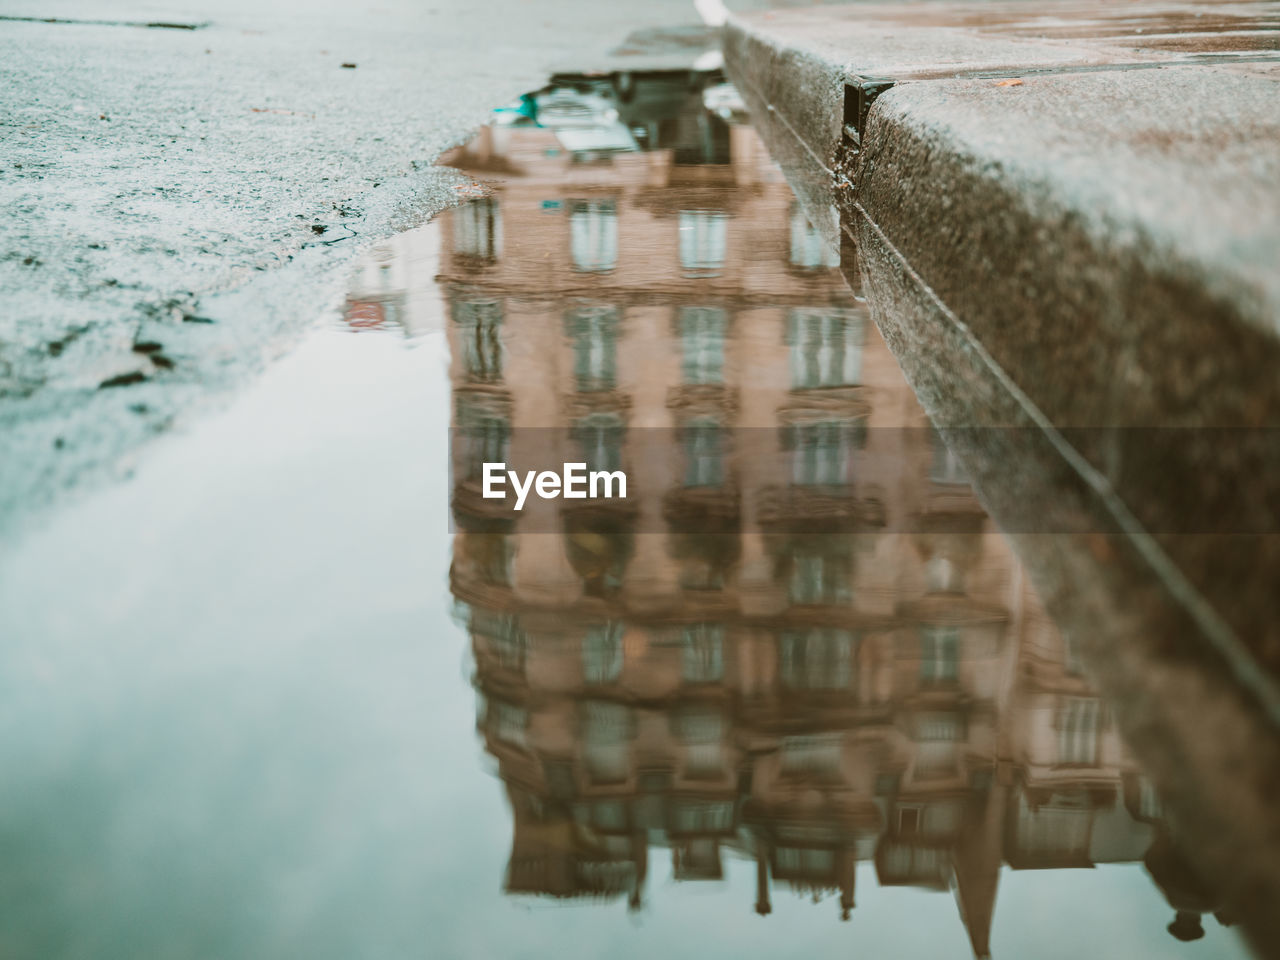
593 234
1078 731
503 636
939 654
477 229
702 735
599 438
594 330
485 436
809 251
820 453
821 572
703 646
826 348
704 238
703 453
702 331
606 740
819 658
480 335
602 653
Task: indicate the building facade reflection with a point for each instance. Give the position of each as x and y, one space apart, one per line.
750 656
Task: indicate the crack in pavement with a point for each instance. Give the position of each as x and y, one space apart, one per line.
149 25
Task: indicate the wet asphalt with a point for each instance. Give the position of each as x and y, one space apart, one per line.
184 194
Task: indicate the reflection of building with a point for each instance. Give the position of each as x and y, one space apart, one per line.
793 682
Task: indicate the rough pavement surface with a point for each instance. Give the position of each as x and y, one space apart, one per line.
180 203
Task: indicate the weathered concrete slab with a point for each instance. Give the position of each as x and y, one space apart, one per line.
797 61
1066 220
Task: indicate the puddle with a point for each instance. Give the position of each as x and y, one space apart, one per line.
718 728
743 689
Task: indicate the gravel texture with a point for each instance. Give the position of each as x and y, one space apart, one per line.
181 203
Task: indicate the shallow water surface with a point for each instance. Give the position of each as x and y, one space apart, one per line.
795 696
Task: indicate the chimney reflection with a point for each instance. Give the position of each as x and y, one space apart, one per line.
797 683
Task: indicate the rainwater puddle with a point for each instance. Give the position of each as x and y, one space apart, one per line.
789 699
798 673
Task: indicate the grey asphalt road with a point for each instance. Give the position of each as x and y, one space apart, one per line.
201 192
